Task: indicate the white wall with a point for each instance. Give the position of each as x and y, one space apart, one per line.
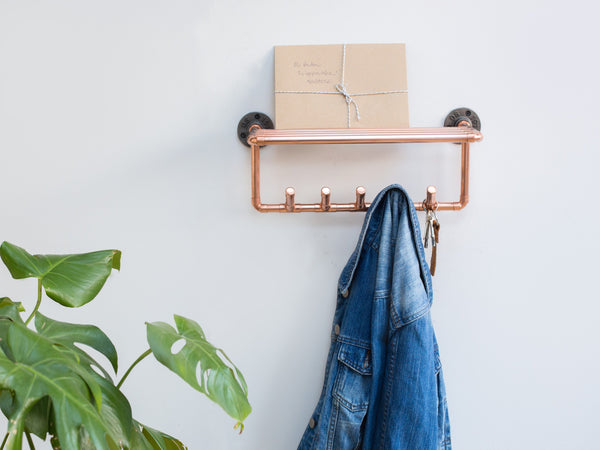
117 130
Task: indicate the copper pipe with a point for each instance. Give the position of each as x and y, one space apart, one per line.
325 199
464 175
334 207
258 137
313 207
255 163
363 136
290 201
360 198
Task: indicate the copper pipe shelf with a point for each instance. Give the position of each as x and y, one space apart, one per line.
460 134
253 131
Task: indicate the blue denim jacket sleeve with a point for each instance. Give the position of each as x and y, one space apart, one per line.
383 383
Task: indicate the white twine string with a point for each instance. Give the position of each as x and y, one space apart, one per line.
342 89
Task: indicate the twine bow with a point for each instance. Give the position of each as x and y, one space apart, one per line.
342 90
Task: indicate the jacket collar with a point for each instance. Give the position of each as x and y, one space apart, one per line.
369 233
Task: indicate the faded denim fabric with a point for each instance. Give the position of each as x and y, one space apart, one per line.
383 384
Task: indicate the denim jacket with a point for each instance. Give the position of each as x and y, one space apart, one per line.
383 384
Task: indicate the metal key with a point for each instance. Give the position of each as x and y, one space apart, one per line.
427 231
432 223
429 234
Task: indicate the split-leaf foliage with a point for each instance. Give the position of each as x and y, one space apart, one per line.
52 388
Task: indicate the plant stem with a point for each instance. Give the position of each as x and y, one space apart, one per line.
54 442
37 305
4 441
29 441
135 363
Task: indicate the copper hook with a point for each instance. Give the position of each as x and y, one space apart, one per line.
325 199
430 203
360 198
290 194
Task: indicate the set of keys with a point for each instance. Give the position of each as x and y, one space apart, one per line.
432 233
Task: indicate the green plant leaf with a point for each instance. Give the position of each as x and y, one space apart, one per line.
116 412
38 417
71 280
146 438
115 409
40 368
68 334
10 309
203 366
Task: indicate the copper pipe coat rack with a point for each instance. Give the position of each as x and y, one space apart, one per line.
462 126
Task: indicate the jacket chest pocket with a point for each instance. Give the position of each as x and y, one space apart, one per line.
353 381
351 392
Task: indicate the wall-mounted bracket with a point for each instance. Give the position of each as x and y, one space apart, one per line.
460 117
251 121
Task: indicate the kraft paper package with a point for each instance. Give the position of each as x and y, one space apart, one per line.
341 86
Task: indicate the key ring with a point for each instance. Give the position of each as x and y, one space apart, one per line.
426 209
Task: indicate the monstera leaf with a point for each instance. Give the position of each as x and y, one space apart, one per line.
10 309
203 366
146 438
36 369
37 419
49 385
64 336
71 280
116 413
68 334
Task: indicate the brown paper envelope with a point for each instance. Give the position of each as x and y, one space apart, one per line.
375 67
312 72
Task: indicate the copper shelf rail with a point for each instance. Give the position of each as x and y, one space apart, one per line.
254 131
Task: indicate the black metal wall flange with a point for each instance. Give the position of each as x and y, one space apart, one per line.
250 119
459 116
